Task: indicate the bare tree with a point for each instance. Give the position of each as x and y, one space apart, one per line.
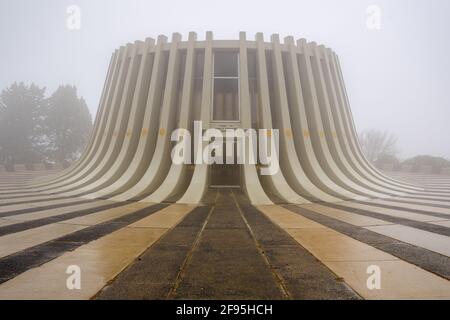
377 144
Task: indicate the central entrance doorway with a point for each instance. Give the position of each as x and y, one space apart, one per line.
225 113
226 175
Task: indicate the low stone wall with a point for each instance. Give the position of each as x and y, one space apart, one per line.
39 167
32 167
58 166
406 168
20 167
425 169
387 167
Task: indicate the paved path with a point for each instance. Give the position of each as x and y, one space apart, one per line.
225 248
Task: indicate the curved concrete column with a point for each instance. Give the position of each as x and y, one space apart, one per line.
199 181
146 135
98 136
110 157
325 137
177 176
95 129
109 129
118 164
333 119
350 141
98 128
300 126
322 181
352 134
251 183
314 121
159 164
276 183
414 190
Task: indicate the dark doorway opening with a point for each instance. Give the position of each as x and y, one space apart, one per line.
225 175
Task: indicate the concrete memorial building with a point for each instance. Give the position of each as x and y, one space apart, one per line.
293 87
224 169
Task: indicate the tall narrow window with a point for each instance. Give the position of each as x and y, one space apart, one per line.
226 86
253 87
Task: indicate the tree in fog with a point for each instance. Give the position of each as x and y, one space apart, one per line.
20 123
35 129
378 145
68 125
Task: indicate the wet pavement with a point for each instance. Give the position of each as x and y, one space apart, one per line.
224 248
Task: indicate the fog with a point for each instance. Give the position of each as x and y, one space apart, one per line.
397 77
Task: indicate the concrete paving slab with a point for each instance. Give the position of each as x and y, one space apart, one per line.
348 217
356 256
99 260
22 240
413 206
424 239
393 212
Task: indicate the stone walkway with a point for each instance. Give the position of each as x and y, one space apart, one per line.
225 248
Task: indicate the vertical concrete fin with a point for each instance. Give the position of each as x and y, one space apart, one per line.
132 131
290 162
147 135
177 177
351 131
119 124
200 178
339 145
275 184
250 180
330 177
95 129
106 126
159 166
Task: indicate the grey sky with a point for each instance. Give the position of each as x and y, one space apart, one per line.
398 78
